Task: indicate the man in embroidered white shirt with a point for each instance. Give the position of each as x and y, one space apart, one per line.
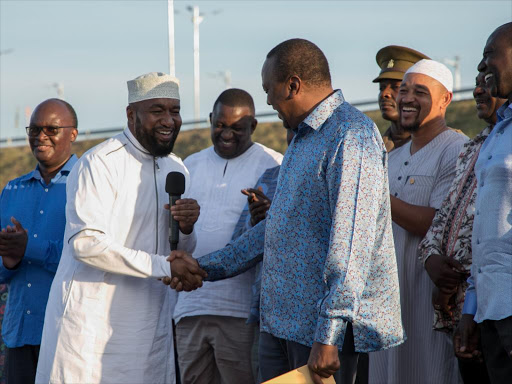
214 342
108 318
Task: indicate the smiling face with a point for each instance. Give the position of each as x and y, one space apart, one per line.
486 105
51 152
421 99
231 129
496 63
155 123
388 92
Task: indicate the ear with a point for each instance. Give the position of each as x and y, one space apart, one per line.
253 125
294 86
210 117
130 115
446 99
74 134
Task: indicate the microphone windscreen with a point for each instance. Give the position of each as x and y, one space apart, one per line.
175 183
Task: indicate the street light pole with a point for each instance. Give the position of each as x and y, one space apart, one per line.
196 20
170 28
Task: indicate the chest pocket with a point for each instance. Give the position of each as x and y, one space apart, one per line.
417 189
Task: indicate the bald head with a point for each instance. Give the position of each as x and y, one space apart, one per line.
496 64
52 131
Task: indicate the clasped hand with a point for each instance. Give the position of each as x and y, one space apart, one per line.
186 275
186 213
13 243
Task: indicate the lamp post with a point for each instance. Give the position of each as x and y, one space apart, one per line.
196 20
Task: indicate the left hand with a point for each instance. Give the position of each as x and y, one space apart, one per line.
13 243
323 361
186 213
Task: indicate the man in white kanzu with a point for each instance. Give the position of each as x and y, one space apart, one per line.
214 342
420 175
108 318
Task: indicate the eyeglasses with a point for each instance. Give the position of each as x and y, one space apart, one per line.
34 130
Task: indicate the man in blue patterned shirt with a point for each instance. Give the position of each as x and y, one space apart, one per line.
329 282
32 219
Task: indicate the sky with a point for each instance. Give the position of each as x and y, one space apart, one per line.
91 48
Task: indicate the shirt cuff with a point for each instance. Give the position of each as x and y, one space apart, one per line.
470 304
35 251
161 267
330 331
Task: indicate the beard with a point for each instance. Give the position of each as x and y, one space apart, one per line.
149 141
413 126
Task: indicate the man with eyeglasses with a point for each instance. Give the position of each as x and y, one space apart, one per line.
32 220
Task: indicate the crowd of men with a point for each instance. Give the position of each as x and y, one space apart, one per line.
367 258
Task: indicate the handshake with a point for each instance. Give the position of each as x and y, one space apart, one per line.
185 271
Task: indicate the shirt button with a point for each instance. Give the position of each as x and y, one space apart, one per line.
396 194
30 262
28 312
29 285
477 212
41 211
490 157
406 163
482 184
399 177
479 270
478 241
35 234
46 189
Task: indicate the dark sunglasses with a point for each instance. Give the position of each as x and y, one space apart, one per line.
34 130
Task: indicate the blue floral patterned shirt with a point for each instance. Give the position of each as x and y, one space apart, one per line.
327 240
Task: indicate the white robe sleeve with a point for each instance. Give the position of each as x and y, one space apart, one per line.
92 189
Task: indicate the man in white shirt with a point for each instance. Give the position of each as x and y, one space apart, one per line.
108 318
214 341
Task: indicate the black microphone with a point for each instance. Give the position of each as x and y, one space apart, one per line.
175 187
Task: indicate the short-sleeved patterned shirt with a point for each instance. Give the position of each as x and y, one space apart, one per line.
450 232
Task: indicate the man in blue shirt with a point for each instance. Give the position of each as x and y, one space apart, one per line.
329 281
488 299
32 218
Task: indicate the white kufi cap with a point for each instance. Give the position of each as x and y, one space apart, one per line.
154 85
435 70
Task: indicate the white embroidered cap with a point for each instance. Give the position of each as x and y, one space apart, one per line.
435 70
154 85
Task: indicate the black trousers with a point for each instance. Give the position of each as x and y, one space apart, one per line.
21 364
278 356
473 372
496 336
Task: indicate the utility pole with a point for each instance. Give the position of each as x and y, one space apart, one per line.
455 63
196 20
170 29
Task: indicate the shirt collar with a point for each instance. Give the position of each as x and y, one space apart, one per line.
131 138
35 174
323 111
505 111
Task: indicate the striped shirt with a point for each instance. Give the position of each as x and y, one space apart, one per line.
423 179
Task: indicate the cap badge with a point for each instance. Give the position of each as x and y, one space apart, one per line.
391 63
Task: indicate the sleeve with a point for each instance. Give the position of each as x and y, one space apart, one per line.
470 304
91 192
446 174
45 253
237 257
5 274
100 251
357 181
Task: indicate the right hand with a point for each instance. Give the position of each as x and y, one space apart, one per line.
466 339
445 272
259 204
185 271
